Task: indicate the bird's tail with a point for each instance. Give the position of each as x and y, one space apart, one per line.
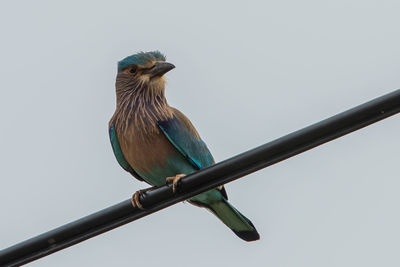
232 218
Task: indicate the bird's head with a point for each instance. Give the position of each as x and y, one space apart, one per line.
144 69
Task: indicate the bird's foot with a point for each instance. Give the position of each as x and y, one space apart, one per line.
136 200
175 180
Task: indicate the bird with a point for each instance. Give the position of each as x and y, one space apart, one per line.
157 143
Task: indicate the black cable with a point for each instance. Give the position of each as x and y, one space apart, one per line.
203 180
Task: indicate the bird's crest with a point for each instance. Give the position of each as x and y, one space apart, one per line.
140 58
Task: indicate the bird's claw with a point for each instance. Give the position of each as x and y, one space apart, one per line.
175 180
136 198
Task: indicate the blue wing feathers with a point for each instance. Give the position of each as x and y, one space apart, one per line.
191 147
119 155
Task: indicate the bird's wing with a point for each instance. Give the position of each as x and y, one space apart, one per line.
182 134
119 155
184 137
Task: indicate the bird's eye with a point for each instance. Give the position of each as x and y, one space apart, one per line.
132 69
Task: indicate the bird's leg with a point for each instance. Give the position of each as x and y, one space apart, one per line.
175 180
135 198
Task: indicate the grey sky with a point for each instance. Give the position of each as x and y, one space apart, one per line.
245 74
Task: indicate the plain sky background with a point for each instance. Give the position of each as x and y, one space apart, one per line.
246 73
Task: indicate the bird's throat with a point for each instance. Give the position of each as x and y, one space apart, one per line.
141 107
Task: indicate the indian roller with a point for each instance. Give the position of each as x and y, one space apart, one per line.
157 143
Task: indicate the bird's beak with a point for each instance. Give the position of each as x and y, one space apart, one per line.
160 68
